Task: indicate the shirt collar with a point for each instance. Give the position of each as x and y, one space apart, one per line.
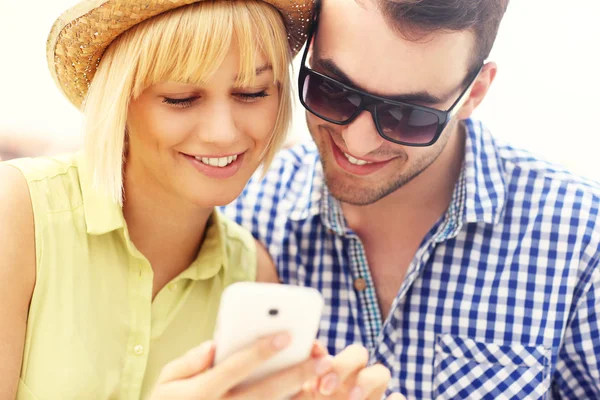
212 256
102 216
479 195
483 177
305 195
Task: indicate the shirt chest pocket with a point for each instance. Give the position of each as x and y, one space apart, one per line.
468 369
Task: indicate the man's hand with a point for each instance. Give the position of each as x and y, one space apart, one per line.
350 379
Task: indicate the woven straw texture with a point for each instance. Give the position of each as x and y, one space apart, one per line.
80 36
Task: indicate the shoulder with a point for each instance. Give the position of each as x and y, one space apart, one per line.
14 191
17 232
548 182
265 267
53 182
524 172
43 168
239 247
560 207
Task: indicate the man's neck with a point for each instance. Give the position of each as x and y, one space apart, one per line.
420 202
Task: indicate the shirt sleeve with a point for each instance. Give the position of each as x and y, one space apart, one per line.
577 373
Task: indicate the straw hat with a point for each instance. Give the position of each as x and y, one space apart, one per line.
81 34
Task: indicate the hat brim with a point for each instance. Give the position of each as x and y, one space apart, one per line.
81 34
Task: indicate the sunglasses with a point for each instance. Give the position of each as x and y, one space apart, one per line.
397 121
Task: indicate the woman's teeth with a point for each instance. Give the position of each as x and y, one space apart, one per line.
356 161
217 162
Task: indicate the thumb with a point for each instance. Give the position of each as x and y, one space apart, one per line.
195 361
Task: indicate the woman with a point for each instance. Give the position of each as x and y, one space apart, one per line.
112 262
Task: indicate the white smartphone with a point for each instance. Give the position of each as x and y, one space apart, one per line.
250 310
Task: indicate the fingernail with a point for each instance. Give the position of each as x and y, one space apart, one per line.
357 394
323 365
280 341
328 384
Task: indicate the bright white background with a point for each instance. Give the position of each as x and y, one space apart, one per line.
545 97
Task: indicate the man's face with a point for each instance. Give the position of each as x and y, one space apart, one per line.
355 45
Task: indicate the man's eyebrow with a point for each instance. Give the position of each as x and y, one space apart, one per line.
330 67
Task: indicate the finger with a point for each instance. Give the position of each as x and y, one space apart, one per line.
345 365
283 384
239 366
190 364
319 350
371 383
350 361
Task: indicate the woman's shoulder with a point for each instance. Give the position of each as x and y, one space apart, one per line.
42 168
240 248
14 192
245 251
53 182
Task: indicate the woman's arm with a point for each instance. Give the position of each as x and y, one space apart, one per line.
17 274
265 267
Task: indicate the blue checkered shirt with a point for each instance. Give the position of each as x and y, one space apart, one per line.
502 299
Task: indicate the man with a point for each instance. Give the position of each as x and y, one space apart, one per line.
469 268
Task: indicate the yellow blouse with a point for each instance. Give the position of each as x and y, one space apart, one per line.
93 330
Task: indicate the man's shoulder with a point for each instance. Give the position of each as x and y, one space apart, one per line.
523 169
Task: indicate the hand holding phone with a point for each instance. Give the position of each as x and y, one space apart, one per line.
252 310
191 376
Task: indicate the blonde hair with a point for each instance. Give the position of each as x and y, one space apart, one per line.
186 45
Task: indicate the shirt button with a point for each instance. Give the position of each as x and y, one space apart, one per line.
360 284
173 287
138 350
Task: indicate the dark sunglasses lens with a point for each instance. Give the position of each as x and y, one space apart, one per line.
407 124
328 99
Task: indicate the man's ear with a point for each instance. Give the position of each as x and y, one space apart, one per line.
479 90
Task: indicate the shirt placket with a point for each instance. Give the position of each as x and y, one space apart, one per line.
138 345
445 229
365 290
362 281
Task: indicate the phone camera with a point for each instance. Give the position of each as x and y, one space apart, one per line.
273 312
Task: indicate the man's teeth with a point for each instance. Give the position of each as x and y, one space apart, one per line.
356 161
217 162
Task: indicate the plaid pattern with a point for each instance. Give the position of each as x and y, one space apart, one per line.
502 299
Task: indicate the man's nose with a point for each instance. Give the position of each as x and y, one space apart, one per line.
361 136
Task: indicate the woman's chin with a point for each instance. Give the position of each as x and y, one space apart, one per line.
214 199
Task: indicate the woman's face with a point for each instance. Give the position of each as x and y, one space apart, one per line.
202 143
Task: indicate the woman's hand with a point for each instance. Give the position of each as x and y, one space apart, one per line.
191 376
350 379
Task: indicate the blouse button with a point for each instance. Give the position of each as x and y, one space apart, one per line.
360 284
173 287
138 350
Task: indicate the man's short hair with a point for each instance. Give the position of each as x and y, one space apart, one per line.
416 18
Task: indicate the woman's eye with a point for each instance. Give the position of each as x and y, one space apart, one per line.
181 103
251 97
